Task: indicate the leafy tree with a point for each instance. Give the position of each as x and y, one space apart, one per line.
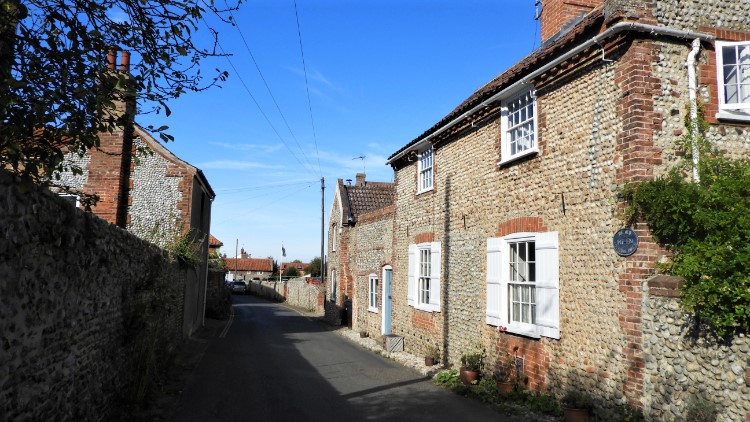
314 267
56 91
291 271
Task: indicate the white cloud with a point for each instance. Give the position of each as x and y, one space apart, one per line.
267 148
234 165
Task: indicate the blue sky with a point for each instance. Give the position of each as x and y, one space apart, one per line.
379 73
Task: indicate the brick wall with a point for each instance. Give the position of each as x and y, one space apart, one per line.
79 299
557 13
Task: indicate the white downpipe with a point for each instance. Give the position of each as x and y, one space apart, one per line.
693 97
617 28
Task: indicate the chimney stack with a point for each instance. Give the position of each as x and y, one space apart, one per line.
360 179
555 14
243 254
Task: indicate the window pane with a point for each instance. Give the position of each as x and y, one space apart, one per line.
525 313
532 272
516 312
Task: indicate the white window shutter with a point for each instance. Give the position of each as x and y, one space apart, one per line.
412 285
548 284
435 276
494 263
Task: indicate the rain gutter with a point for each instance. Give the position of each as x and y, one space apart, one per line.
616 29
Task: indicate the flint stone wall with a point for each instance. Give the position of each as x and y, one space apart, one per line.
295 292
680 367
79 298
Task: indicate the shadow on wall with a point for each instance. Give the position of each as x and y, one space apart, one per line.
271 290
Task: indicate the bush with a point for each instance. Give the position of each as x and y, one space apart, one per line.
575 399
706 226
701 410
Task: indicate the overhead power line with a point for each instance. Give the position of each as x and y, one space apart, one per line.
268 88
307 86
252 97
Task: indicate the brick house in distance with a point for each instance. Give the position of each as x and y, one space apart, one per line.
156 197
359 253
245 268
299 266
505 211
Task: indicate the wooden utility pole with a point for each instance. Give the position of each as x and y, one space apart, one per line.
322 228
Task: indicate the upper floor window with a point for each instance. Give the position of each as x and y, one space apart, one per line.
523 284
518 126
424 276
333 238
425 176
372 297
733 68
333 285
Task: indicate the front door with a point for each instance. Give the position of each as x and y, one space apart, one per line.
387 282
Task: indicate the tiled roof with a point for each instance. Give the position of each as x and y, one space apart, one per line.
249 264
366 197
214 242
544 54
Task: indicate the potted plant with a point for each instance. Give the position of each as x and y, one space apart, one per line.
471 366
576 405
432 355
505 375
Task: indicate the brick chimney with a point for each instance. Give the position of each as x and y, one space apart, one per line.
555 14
243 254
110 165
360 179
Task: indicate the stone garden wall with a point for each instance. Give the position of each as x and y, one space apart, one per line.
84 307
295 292
681 367
218 297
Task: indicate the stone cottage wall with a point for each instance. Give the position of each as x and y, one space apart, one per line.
158 187
332 307
681 367
81 300
372 240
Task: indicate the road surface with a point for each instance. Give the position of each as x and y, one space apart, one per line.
274 364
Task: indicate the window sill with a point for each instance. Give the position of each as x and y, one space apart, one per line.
373 310
425 191
525 154
737 116
523 331
425 308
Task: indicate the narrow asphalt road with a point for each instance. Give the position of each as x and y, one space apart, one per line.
274 364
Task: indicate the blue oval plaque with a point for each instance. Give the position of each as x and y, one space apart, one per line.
625 242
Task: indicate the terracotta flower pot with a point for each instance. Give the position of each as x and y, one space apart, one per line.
575 415
504 387
429 361
468 376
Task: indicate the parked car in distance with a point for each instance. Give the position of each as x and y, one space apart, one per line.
239 287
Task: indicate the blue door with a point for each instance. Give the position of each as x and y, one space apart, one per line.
387 282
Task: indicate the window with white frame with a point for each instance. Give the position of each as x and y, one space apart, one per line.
333 238
733 71
425 176
74 200
333 285
518 125
424 276
523 284
372 296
